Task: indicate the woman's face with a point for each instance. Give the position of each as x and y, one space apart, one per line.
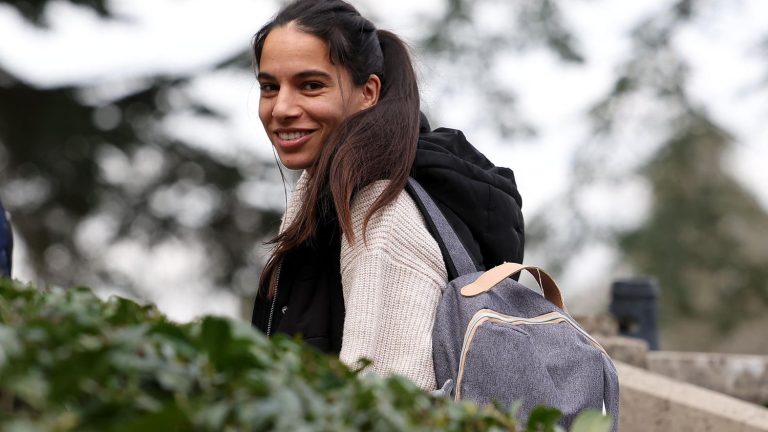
304 96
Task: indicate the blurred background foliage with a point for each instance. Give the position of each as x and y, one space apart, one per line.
79 159
84 163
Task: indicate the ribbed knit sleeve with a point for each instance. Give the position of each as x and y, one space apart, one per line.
294 201
392 280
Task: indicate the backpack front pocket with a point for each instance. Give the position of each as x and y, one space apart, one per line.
535 360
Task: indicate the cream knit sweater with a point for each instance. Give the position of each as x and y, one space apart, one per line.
392 280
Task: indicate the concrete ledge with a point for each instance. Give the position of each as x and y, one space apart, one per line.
601 324
651 402
738 375
626 350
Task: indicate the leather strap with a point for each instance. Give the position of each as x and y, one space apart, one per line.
492 277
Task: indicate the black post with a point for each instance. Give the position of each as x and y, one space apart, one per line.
633 303
6 244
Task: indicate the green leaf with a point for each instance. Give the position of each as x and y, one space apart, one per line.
543 419
215 337
9 344
169 419
23 426
213 417
31 387
591 421
514 408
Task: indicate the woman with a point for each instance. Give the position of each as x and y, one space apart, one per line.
354 270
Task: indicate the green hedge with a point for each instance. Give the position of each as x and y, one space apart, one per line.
72 362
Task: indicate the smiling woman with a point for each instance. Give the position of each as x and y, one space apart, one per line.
354 270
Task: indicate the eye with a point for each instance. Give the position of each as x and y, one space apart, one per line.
312 86
267 88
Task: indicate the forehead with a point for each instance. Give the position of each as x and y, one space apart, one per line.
289 50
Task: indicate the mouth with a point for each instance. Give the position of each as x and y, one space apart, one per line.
292 138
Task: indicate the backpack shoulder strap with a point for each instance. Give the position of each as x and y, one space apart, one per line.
457 259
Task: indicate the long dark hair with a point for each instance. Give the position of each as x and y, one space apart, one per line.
374 144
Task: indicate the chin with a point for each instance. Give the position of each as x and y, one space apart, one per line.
295 163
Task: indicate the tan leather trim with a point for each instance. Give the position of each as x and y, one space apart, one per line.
490 278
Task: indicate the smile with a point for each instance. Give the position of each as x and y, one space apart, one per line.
289 136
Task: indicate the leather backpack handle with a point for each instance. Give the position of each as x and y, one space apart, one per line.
490 278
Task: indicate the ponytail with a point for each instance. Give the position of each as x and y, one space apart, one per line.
378 143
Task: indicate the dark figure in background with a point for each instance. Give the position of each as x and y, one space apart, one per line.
6 244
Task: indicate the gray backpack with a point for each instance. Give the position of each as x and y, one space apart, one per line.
496 340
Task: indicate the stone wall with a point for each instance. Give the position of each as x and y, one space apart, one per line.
684 391
654 403
737 375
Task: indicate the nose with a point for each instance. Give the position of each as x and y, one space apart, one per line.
286 105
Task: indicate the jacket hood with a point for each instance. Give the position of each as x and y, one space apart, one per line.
479 199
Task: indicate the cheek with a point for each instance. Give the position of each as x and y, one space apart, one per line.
333 112
265 111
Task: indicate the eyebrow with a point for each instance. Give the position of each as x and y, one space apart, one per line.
311 73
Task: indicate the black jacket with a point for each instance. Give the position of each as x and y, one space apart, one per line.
479 200
309 301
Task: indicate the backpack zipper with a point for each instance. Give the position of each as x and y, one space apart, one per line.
274 300
484 315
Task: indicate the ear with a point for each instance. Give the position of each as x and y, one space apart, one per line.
370 92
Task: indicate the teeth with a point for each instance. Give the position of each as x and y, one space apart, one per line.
291 135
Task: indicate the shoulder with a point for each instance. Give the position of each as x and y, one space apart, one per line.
400 213
399 217
398 230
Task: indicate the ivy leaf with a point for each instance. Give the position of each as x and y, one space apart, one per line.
543 419
591 421
215 337
9 344
514 408
168 419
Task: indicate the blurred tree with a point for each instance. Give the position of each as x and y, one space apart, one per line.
70 160
34 10
470 42
705 237
75 164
